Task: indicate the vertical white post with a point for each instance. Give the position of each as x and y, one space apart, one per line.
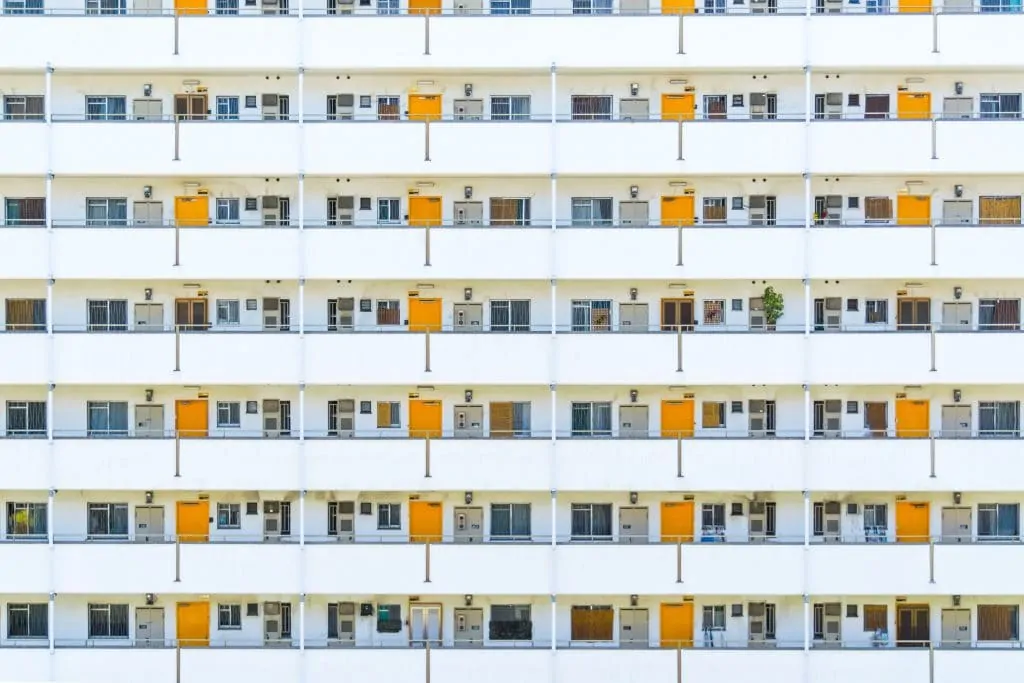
302 623
302 517
51 615
49 412
49 516
554 586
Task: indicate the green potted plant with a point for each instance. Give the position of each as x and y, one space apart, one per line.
774 306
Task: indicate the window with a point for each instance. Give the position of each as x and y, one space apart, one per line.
108 621
26 519
105 7
510 315
26 418
229 516
389 312
998 623
389 415
712 519
227 211
712 415
26 620
24 108
108 519
106 211
23 6
876 522
389 516
876 311
510 521
229 414
105 108
591 315
591 419
714 618
998 419
510 6
876 617
510 211
714 312
510 108
877 210
715 107
227 311
591 522
25 315
227 107
999 314
108 315
827 620
591 211
510 622
1000 106
229 617
107 418
25 211
591 107
389 107
591 6
509 419
998 521
389 211
389 618
714 210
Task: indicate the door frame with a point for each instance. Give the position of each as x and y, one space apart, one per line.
440 621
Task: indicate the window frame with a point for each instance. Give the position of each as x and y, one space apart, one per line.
29 409
108 608
34 512
510 509
717 613
227 100
232 207
513 311
109 205
586 309
393 512
28 608
231 310
231 513
106 101
111 408
109 509
704 414
876 311
229 616
233 417
508 101
394 416
394 623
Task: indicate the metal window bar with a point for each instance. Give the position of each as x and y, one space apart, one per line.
26 418
510 107
591 107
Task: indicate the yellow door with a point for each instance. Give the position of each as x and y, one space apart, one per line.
677 522
677 625
915 6
192 211
424 522
914 105
913 209
424 107
424 6
193 521
191 418
675 106
424 211
912 419
424 314
677 210
193 624
424 418
912 522
677 418
190 6
677 7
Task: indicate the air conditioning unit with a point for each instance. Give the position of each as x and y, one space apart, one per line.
346 417
833 313
273 622
831 523
270 105
758 206
834 100
345 313
273 520
271 210
758 100
833 6
345 107
757 520
344 6
832 625
344 210
833 418
271 313
344 520
271 418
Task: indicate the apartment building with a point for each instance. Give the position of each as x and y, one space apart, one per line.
600 340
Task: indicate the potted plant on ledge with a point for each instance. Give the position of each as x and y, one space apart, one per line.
774 306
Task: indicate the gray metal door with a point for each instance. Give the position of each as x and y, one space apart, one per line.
149 524
148 6
635 109
633 525
469 627
469 422
149 422
469 6
956 422
469 213
956 315
345 520
633 628
633 318
634 422
633 6
956 628
956 525
149 317
957 107
469 525
957 212
149 626
147 110
469 110
468 317
346 619
634 213
148 213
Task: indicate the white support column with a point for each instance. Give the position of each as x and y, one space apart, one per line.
302 622
49 412
49 516
52 613
554 586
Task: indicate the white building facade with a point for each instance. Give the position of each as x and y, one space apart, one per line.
429 340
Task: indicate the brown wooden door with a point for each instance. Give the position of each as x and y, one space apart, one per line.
912 626
191 314
913 314
190 107
876 417
876 107
676 313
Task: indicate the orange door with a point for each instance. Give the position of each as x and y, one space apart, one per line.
191 418
192 211
424 6
677 7
915 6
912 419
677 210
677 522
677 418
913 209
424 419
190 6
424 107
193 521
676 106
424 211
912 522
424 314
424 521
677 625
193 620
914 105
